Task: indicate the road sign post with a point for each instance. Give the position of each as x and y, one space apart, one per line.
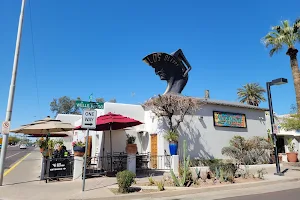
11 93
89 118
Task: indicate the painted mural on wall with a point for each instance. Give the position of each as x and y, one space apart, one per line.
227 119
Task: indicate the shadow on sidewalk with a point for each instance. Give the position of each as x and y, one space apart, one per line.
24 182
103 186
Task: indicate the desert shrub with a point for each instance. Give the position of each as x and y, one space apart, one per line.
160 186
203 162
151 181
248 152
261 173
125 179
223 171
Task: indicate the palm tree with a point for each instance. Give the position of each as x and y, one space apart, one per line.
286 35
251 93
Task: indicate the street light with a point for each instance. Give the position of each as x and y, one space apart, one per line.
278 81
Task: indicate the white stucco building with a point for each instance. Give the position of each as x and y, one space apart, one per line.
205 136
283 136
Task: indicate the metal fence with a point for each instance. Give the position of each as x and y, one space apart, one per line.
58 168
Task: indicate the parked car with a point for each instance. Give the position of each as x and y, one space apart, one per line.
23 146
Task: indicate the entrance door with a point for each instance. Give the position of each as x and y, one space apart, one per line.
89 150
153 157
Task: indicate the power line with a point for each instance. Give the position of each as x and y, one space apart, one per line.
34 61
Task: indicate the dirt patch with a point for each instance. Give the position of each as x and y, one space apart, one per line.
133 190
201 183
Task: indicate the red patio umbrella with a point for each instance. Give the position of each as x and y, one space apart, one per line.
111 121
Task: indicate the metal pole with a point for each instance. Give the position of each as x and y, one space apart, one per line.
278 172
85 157
111 154
11 91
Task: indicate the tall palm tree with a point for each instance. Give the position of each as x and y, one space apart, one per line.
286 35
251 93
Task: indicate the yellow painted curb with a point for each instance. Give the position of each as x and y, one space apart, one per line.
15 165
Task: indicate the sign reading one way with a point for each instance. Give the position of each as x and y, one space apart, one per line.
89 118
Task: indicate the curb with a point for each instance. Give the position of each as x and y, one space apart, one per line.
192 190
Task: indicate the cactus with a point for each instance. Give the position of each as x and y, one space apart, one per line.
217 171
198 173
180 182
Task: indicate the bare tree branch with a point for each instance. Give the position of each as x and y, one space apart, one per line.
170 105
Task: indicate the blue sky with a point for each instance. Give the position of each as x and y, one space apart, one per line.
83 47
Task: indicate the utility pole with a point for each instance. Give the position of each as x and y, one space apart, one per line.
11 91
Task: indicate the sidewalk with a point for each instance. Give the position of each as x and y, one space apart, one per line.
23 183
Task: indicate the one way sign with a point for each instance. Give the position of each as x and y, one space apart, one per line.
89 118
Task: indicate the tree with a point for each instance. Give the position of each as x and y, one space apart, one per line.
65 105
286 35
170 105
13 140
251 93
102 100
292 122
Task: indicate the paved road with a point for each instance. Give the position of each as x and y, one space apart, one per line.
14 153
293 194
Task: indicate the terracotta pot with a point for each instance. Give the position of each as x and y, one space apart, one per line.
131 149
292 156
41 150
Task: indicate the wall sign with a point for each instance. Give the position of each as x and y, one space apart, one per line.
228 119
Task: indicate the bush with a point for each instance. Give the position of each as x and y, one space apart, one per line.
223 171
203 162
248 152
125 180
160 186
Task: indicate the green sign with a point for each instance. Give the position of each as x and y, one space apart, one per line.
89 104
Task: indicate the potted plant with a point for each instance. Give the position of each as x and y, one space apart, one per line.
172 137
131 147
42 144
292 156
46 148
78 148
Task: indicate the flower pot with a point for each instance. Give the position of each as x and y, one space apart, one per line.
41 149
79 151
131 149
173 147
46 152
292 156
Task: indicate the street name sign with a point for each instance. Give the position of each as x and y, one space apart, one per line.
89 118
89 104
5 127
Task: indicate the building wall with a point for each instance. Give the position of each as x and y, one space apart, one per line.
204 140
67 118
119 136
